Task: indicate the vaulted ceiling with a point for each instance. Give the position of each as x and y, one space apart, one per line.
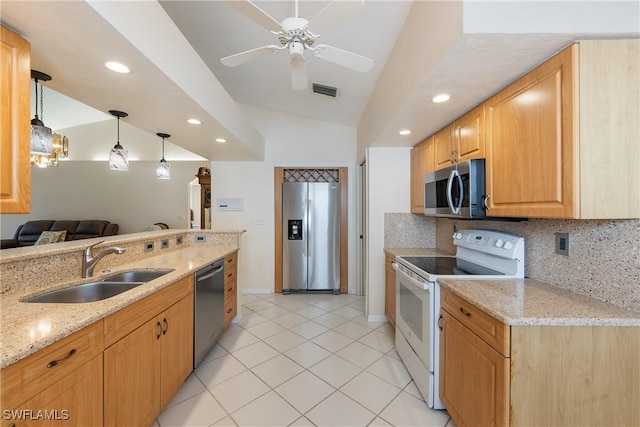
469 49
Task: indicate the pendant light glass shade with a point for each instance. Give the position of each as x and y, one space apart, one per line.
41 136
118 156
163 168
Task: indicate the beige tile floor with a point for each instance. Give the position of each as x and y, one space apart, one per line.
302 360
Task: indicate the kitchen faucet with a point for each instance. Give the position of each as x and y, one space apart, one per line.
88 262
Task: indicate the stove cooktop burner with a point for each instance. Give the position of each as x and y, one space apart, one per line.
449 266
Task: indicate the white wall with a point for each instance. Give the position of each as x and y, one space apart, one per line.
291 141
389 190
89 190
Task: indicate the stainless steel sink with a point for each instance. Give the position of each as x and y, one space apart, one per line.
89 292
102 289
136 276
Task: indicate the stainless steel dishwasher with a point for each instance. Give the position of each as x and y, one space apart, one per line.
208 316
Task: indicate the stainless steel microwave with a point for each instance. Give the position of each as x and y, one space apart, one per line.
457 191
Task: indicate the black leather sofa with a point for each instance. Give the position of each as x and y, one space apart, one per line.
29 232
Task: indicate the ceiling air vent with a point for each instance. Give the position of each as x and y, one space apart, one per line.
325 90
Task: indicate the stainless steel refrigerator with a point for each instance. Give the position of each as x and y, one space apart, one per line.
311 236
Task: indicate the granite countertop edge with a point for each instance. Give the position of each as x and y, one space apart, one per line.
26 328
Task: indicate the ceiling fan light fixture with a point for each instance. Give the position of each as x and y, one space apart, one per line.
118 156
163 168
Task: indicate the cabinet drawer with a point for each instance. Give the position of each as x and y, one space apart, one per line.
490 329
229 289
229 275
231 261
50 366
129 318
230 309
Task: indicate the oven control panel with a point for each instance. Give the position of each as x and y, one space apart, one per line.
491 242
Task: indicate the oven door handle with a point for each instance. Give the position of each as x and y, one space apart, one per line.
424 286
454 175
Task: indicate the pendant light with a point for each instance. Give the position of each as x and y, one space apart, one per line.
163 168
41 136
118 156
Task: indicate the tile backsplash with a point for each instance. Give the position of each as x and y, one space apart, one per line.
604 262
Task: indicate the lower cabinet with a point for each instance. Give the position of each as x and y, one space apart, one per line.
60 385
493 374
230 288
390 289
144 368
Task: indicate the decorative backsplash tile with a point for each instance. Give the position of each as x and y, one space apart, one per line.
605 254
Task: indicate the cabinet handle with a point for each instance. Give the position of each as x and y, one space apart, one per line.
440 322
166 326
465 312
486 198
159 330
57 362
230 310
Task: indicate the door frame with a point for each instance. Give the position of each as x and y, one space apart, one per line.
344 237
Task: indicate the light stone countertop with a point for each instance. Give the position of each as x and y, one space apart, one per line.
529 301
28 327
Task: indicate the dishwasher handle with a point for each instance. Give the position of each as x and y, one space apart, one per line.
207 276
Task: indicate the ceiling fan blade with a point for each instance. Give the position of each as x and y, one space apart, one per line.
333 14
343 57
253 12
299 74
249 55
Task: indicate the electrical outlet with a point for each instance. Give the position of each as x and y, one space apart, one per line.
201 238
148 246
164 243
179 240
563 244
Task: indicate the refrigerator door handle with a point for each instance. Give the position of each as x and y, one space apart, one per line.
307 228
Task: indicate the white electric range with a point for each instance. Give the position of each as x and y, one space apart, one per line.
480 254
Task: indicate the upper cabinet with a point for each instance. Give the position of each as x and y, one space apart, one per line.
15 133
461 140
562 141
422 162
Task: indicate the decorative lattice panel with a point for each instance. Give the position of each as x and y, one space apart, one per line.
311 175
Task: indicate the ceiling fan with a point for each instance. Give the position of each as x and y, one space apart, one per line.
295 35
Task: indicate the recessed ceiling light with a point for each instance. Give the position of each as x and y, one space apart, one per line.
117 67
194 121
221 140
443 97
405 132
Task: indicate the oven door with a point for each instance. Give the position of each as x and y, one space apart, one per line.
414 308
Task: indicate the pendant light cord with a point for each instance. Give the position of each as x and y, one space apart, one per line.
36 112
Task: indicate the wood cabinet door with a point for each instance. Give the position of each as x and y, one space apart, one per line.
390 291
531 154
469 135
422 162
132 377
177 347
474 377
444 147
74 401
15 133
